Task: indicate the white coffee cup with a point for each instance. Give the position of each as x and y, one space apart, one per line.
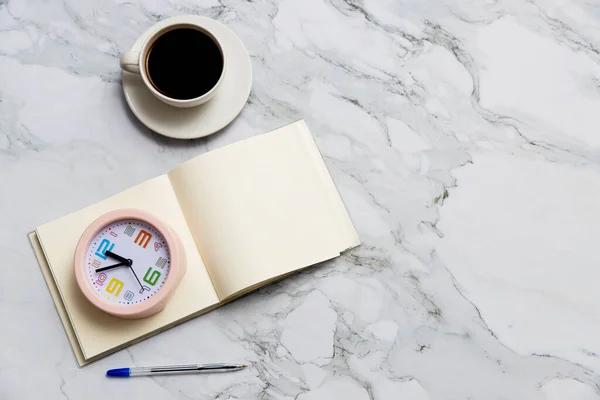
136 62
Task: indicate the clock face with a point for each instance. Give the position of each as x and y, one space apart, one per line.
127 262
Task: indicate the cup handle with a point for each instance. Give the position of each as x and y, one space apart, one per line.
130 62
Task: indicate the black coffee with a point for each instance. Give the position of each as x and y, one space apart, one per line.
184 63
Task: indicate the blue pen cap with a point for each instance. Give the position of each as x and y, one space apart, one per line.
121 372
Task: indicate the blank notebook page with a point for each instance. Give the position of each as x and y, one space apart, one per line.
96 331
262 208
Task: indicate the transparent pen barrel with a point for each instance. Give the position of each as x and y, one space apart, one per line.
165 370
184 369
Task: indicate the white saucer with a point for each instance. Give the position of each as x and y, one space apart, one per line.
207 118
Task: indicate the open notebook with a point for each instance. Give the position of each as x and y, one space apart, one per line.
248 214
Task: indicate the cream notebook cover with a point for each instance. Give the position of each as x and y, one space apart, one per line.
248 214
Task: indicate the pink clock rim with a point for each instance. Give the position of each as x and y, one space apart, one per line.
176 269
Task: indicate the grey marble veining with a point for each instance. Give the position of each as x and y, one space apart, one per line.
463 136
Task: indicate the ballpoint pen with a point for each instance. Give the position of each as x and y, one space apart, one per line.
174 369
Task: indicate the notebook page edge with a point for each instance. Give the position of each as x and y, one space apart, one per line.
56 298
351 239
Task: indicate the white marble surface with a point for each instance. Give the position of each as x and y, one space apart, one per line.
464 136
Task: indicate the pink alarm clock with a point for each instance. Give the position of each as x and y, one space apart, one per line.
128 263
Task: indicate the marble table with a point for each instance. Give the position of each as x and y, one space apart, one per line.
464 137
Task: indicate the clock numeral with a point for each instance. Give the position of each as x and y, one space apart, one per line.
96 264
113 234
144 288
101 279
157 246
105 245
161 262
151 276
128 295
129 230
143 237
114 285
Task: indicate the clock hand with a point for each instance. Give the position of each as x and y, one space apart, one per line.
136 278
111 266
118 257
